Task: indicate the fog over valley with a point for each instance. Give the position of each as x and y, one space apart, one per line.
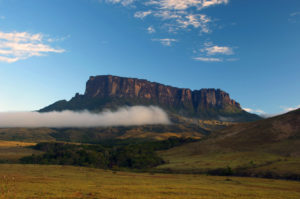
125 116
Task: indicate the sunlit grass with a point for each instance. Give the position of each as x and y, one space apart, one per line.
41 181
12 151
215 160
15 144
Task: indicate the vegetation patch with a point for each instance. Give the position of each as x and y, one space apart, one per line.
114 154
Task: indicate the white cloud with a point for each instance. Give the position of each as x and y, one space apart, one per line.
294 14
207 3
185 4
179 19
151 29
167 14
195 20
141 14
166 41
209 49
7 59
263 114
58 39
294 17
15 46
127 116
178 14
208 59
123 2
288 109
248 109
256 111
219 50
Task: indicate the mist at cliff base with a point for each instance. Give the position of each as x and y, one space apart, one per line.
125 116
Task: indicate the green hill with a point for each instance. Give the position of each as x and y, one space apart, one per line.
267 148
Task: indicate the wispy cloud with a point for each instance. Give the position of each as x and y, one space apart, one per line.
180 14
248 109
15 46
168 14
185 4
151 29
294 14
142 15
263 114
259 112
166 41
225 50
2 17
123 2
126 116
196 21
183 20
209 49
58 39
207 3
287 109
208 59
294 17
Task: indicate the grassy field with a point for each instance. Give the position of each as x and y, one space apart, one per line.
188 159
15 144
44 181
12 151
180 161
255 163
266 148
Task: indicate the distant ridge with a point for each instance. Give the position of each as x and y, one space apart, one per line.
107 91
274 130
265 148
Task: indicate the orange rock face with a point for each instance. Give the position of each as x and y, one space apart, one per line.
120 87
111 92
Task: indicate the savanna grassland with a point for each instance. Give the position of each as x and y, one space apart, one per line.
141 168
266 148
12 151
57 181
47 181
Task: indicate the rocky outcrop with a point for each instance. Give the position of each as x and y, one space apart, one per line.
107 91
113 86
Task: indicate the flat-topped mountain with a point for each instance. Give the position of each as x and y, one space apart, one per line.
107 91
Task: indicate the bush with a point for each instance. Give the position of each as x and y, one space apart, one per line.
134 156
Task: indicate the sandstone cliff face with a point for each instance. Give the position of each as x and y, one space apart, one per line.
109 91
113 86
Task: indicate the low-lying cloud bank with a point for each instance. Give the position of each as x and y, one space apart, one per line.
126 116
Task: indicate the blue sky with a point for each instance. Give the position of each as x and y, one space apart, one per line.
249 48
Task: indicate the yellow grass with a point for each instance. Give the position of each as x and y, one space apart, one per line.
12 151
36 181
15 143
